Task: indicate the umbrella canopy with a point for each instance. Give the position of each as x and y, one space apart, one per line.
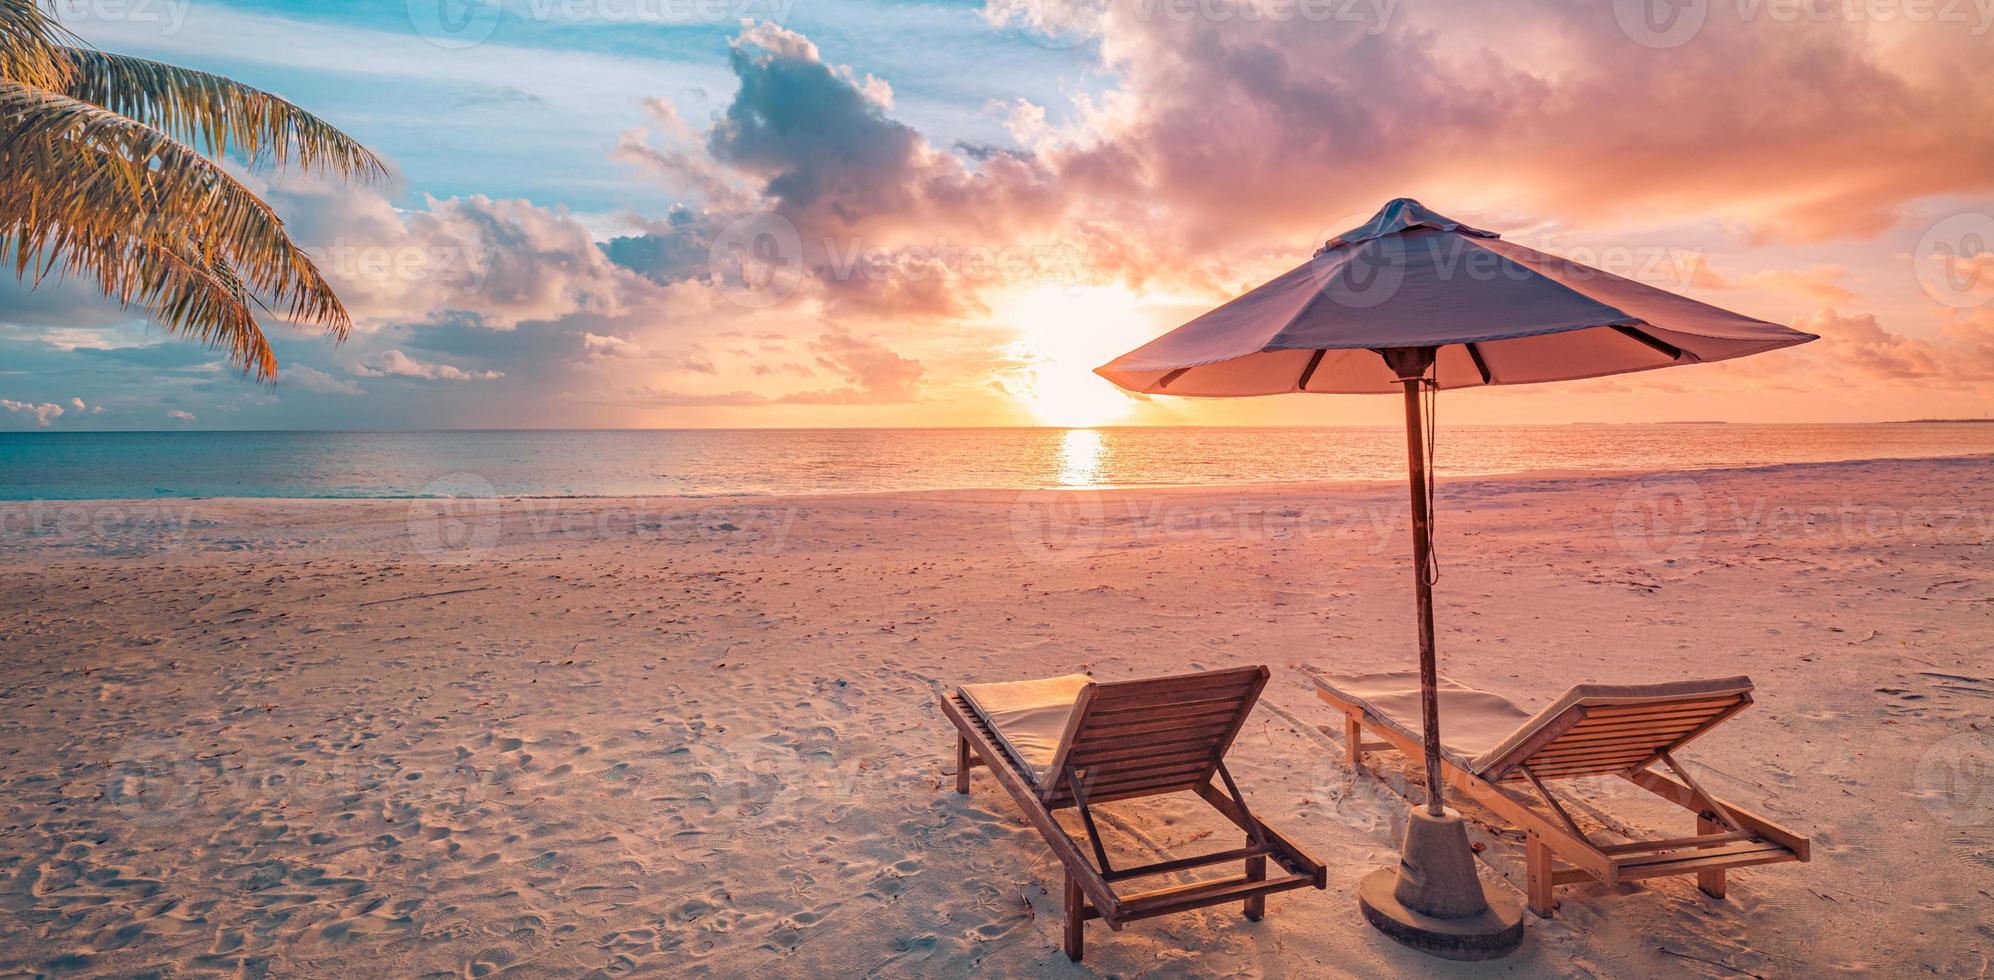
1496 312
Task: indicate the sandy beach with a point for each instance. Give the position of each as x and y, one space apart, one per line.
582 737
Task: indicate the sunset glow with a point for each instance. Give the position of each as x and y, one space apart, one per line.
1064 332
784 222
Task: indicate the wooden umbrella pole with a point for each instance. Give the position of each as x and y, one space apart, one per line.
1422 547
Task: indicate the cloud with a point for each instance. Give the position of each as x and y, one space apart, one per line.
683 399
877 374
1540 107
809 168
397 364
1198 152
681 163
506 261
43 413
601 345
1230 128
180 415
312 379
1857 342
1821 283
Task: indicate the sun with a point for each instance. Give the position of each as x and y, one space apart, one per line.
1063 334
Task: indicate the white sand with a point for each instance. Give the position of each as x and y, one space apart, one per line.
699 736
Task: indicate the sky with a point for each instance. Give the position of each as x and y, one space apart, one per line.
693 213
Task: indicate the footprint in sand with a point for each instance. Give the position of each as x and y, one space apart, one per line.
490 960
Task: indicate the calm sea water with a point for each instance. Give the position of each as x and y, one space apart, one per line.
709 462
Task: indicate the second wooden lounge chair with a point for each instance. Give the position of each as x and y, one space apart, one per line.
1070 743
1490 749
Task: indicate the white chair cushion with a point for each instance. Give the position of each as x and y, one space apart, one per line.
1028 717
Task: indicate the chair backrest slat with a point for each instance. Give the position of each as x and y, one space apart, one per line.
1605 739
1153 736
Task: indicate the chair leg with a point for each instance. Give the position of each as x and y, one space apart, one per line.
1353 741
1256 870
1076 904
1537 867
961 764
1711 881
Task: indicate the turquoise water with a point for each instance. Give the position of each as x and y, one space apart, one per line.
711 462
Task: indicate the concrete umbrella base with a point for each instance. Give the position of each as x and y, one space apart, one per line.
1434 901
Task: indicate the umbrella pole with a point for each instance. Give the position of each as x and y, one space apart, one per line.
1434 899
1422 549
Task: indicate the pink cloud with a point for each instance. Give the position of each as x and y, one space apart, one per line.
876 374
43 413
1963 353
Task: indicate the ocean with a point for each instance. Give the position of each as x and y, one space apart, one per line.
724 462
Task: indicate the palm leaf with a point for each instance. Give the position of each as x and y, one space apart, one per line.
218 114
31 45
81 173
184 291
100 178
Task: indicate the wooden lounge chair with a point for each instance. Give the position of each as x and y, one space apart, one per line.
1491 750
1070 743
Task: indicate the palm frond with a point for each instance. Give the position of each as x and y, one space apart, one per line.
217 114
32 44
80 173
100 178
185 291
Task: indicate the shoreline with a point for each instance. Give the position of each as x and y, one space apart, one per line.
1442 480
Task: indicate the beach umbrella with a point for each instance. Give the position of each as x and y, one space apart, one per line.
1408 303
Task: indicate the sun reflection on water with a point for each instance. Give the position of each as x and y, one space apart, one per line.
1080 458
